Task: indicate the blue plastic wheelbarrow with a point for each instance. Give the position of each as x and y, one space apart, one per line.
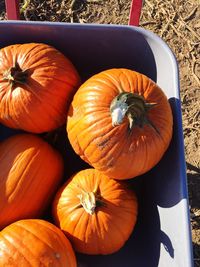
162 236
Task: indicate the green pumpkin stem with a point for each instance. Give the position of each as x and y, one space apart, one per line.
132 106
16 75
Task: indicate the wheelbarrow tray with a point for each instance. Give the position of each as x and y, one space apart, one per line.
162 236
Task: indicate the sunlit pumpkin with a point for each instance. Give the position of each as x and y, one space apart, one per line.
37 83
120 122
30 172
98 214
35 242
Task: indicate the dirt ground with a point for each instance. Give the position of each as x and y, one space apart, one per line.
178 23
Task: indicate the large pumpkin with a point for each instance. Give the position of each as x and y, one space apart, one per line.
120 122
37 83
30 173
29 242
96 213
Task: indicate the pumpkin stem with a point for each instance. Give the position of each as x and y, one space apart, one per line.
134 107
16 75
90 201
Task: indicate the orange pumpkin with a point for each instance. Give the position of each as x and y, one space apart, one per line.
35 242
30 173
37 83
97 213
120 122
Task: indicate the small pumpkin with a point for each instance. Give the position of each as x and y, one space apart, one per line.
37 83
120 122
30 173
98 214
35 242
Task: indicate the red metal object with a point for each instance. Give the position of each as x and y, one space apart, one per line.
135 12
12 9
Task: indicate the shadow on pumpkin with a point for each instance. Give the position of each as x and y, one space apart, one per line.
45 213
12 180
5 170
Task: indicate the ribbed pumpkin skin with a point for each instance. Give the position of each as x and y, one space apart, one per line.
105 231
41 103
30 172
35 243
118 152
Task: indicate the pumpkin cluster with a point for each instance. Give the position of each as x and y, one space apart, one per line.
119 122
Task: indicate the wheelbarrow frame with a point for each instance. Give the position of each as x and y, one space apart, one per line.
13 11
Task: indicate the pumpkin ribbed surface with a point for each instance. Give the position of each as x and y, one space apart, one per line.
96 213
120 148
35 243
37 83
30 172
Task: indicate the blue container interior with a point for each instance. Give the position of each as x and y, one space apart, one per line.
162 234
